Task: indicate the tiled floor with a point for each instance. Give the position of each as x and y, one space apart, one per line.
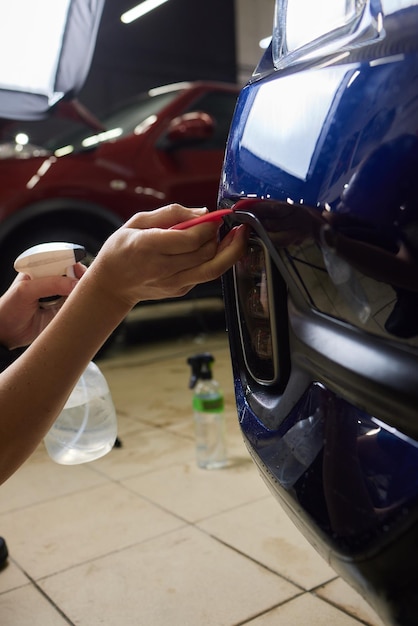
143 537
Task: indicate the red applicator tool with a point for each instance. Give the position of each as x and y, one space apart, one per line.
214 216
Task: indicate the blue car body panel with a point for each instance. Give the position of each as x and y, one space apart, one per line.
322 164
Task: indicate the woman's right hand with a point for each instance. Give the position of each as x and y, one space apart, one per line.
145 260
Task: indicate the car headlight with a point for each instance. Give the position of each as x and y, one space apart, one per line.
301 26
262 315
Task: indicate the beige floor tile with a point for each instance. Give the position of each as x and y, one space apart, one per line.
53 536
128 424
339 593
181 579
157 394
11 577
145 397
28 607
305 610
154 330
263 531
130 549
184 425
180 421
143 451
194 493
41 479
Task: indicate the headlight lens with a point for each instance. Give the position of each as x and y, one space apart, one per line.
298 23
262 315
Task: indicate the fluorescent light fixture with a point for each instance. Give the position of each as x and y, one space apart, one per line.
140 9
31 37
106 135
64 150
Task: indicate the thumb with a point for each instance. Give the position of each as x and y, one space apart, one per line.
48 286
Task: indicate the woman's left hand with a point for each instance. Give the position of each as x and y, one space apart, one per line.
21 318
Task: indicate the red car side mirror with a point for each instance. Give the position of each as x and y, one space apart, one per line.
194 126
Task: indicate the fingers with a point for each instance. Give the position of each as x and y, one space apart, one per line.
165 217
172 243
79 270
138 263
32 290
195 250
192 240
229 251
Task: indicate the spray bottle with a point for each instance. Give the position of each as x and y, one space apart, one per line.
208 407
86 429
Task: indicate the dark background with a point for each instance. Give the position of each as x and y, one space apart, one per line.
180 40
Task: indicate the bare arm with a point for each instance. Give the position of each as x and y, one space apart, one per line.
142 260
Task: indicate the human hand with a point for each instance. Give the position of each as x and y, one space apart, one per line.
145 260
21 318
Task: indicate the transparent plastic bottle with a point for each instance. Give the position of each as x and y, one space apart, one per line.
209 419
86 429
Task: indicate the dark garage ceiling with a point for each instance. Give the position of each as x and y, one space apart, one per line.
180 40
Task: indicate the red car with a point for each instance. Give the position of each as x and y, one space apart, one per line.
164 146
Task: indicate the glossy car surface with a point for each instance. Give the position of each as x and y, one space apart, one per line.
322 163
165 146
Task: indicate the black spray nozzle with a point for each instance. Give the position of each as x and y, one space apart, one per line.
201 367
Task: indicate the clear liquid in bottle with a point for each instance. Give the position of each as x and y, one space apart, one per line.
210 440
86 429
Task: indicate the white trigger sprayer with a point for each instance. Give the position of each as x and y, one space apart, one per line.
50 259
86 429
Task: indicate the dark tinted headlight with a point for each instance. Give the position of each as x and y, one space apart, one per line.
261 298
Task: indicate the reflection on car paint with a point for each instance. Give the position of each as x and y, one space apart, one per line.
352 475
321 164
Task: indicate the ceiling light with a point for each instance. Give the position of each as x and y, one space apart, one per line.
22 139
140 9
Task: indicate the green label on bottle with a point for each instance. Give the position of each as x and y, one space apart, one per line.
208 405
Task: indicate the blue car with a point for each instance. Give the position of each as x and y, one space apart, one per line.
322 313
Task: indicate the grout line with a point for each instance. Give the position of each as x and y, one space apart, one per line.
271 608
42 592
